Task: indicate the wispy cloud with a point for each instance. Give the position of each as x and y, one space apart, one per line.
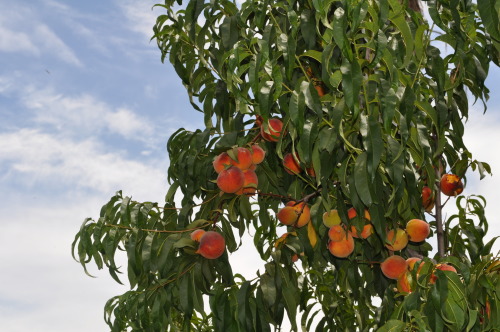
35 38
34 158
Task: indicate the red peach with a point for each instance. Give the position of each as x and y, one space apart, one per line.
212 245
231 180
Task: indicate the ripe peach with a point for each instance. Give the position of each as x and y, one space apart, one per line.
319 87
427 199
291 165
221 162
303 211
394 266
412 261
404 283
396 239
365 233
275 127
367 229
311 172
442 267
288 215
258 154
197 234
250 183
244 157
331 218
212 245
336 233
451 185
417 230
342 248
351 213
231 180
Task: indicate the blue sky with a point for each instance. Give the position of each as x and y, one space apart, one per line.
86 108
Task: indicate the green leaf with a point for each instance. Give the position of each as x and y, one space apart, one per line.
352 80
488 11
392 326
361 179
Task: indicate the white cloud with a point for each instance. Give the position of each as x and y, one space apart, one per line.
51 43
78 115
39 159
13 41
35 38
140 16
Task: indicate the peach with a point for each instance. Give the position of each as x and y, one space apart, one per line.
367 229
221 162
250 183
412 261
427 199
417 230
331 218
288 215
365 233
394 266
404 283
351 213
258 154
231 180
451 185
343 248
275 127
319 87
442 267
303 211
291 165
212 245
336 233
311 172
244 158
396 239
197 234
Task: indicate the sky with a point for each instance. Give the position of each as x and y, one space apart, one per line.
86 108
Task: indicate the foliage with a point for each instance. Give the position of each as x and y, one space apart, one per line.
371 103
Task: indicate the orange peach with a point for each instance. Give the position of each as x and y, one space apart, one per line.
365 233
394 266
212 245
343 248
275 127
442 267
412 261
288 215
336 233
231 180
243 158
417 230
197 234
351 213
250 183
427 199
221 162
291 165
396 239
311 172
258 154
451 185
404 283
303 211
367 229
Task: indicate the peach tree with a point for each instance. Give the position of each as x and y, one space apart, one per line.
333 134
